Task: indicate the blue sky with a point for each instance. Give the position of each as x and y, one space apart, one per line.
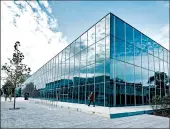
75 17
44 28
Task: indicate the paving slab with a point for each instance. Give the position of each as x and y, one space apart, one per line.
110 112
33 115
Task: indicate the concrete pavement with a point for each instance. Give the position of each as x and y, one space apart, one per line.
31 115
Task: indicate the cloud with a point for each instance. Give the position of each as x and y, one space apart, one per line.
46 5
163 36
36 30
163 3
166 4
160 35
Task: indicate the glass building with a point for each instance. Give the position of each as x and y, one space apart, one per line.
121 65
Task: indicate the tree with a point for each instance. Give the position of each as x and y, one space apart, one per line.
160 79
8 87
16 70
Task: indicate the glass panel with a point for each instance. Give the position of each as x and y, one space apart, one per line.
112 84
75 87
62 81
77 61
75 94
67 52
129 53
145 59
100 50
55 61
107 70
108 95
91 55
166 68
108 47
169 56
77 46
144 43
71 49
156 49
71 75
161 65
138 56
100 30
83 76
65 94
129 34
165 55
72 64
138 86
157 83
59 59
59 70
150 46
151 83
112 48
90 74
112 76
99 72
70 94
145 86
120 49
163 78
67 66
151 62
82 94
76 78
156 62
130 98
137 38
83 58
66 80
108 25
112 25
83 43
166 80
63 68
91 36
120 83
99 94
63 58
120 29
161 52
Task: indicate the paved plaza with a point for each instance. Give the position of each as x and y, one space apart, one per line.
32 115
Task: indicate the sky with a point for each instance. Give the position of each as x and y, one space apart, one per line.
44 28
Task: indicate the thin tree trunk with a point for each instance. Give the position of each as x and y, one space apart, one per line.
14 98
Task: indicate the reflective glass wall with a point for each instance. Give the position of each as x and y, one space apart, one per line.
81 68
139 66
118 63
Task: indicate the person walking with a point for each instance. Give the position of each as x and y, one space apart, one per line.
91 98
5 94
10 95
1 93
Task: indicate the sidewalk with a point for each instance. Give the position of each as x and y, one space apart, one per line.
33 115
110 112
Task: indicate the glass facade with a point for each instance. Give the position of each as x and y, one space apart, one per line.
121 65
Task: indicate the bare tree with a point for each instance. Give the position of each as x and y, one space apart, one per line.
16 70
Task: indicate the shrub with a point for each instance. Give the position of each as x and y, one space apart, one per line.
161 105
